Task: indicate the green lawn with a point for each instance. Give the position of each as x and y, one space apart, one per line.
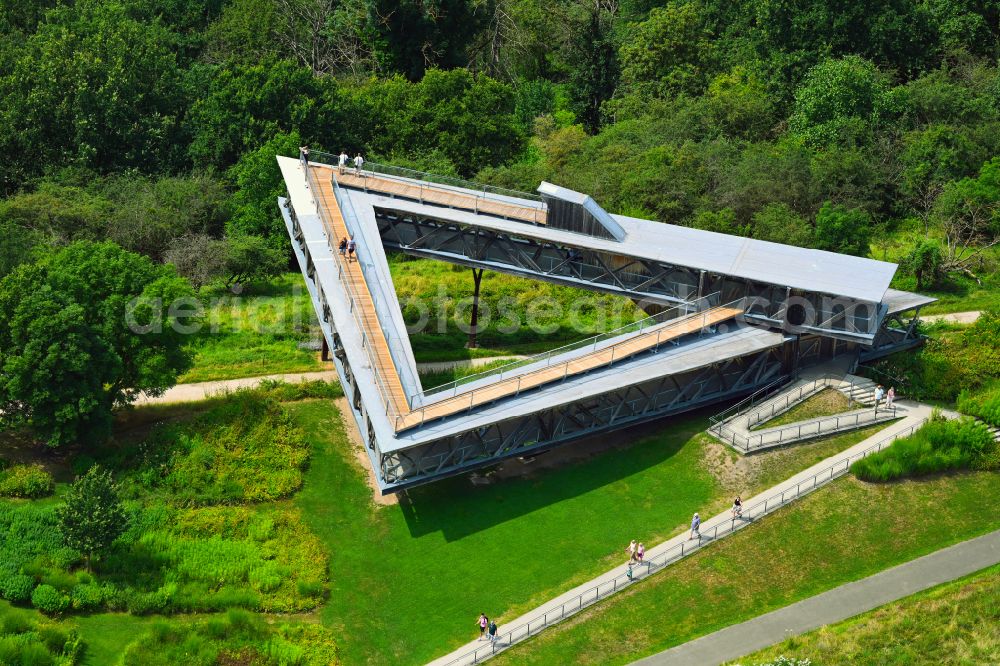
452 550
841 533
256 332
517 315
955 623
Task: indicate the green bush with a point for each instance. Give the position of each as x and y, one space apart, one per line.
984 405
941 445
27 481
26 641
236 632
49 600
286 392
15 586
245 449
950 362
87 597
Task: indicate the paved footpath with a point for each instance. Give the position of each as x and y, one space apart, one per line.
554 610
954 317
835 605
204 390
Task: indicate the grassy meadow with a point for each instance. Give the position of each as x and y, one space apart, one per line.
259 331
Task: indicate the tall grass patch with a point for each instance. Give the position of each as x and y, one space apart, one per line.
243 449
29 641
262 330
941 445
984 404
170 560
236 637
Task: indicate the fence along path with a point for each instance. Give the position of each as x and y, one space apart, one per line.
406 418
672 550
426 193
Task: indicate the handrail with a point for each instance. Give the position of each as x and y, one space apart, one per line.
579 344
352 295
802 430
784 402
721 528
749 401
422 410
450 181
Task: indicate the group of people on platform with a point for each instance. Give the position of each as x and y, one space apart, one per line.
342 160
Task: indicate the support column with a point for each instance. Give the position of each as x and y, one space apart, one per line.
477 278
324 354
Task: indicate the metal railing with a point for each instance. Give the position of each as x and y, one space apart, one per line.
747 403
698 305
795 432
786 401
476 191
709 533
662 335
352 296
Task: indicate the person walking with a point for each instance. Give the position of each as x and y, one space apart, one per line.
737 507
640 552
890 397
343 246
342 162
493 631
878 396
695 527
483 623
351 247
628 572
359 162
630 549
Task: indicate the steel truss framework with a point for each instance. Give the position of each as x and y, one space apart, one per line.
636 277
602 271
550 427
898 332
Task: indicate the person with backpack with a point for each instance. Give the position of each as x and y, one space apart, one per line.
359 162
483 623
351 247
737 507
695 527
343 246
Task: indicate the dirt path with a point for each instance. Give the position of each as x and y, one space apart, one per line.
953 317
203 390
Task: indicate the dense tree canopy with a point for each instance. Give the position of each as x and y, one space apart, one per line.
75 341
153 125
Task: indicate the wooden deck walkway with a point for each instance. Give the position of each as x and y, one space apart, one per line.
406 418
439 196
364 304
650 339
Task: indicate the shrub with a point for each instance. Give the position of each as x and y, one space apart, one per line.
286 392
49 600
87 597
16 587
941 445
27 481
984 405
